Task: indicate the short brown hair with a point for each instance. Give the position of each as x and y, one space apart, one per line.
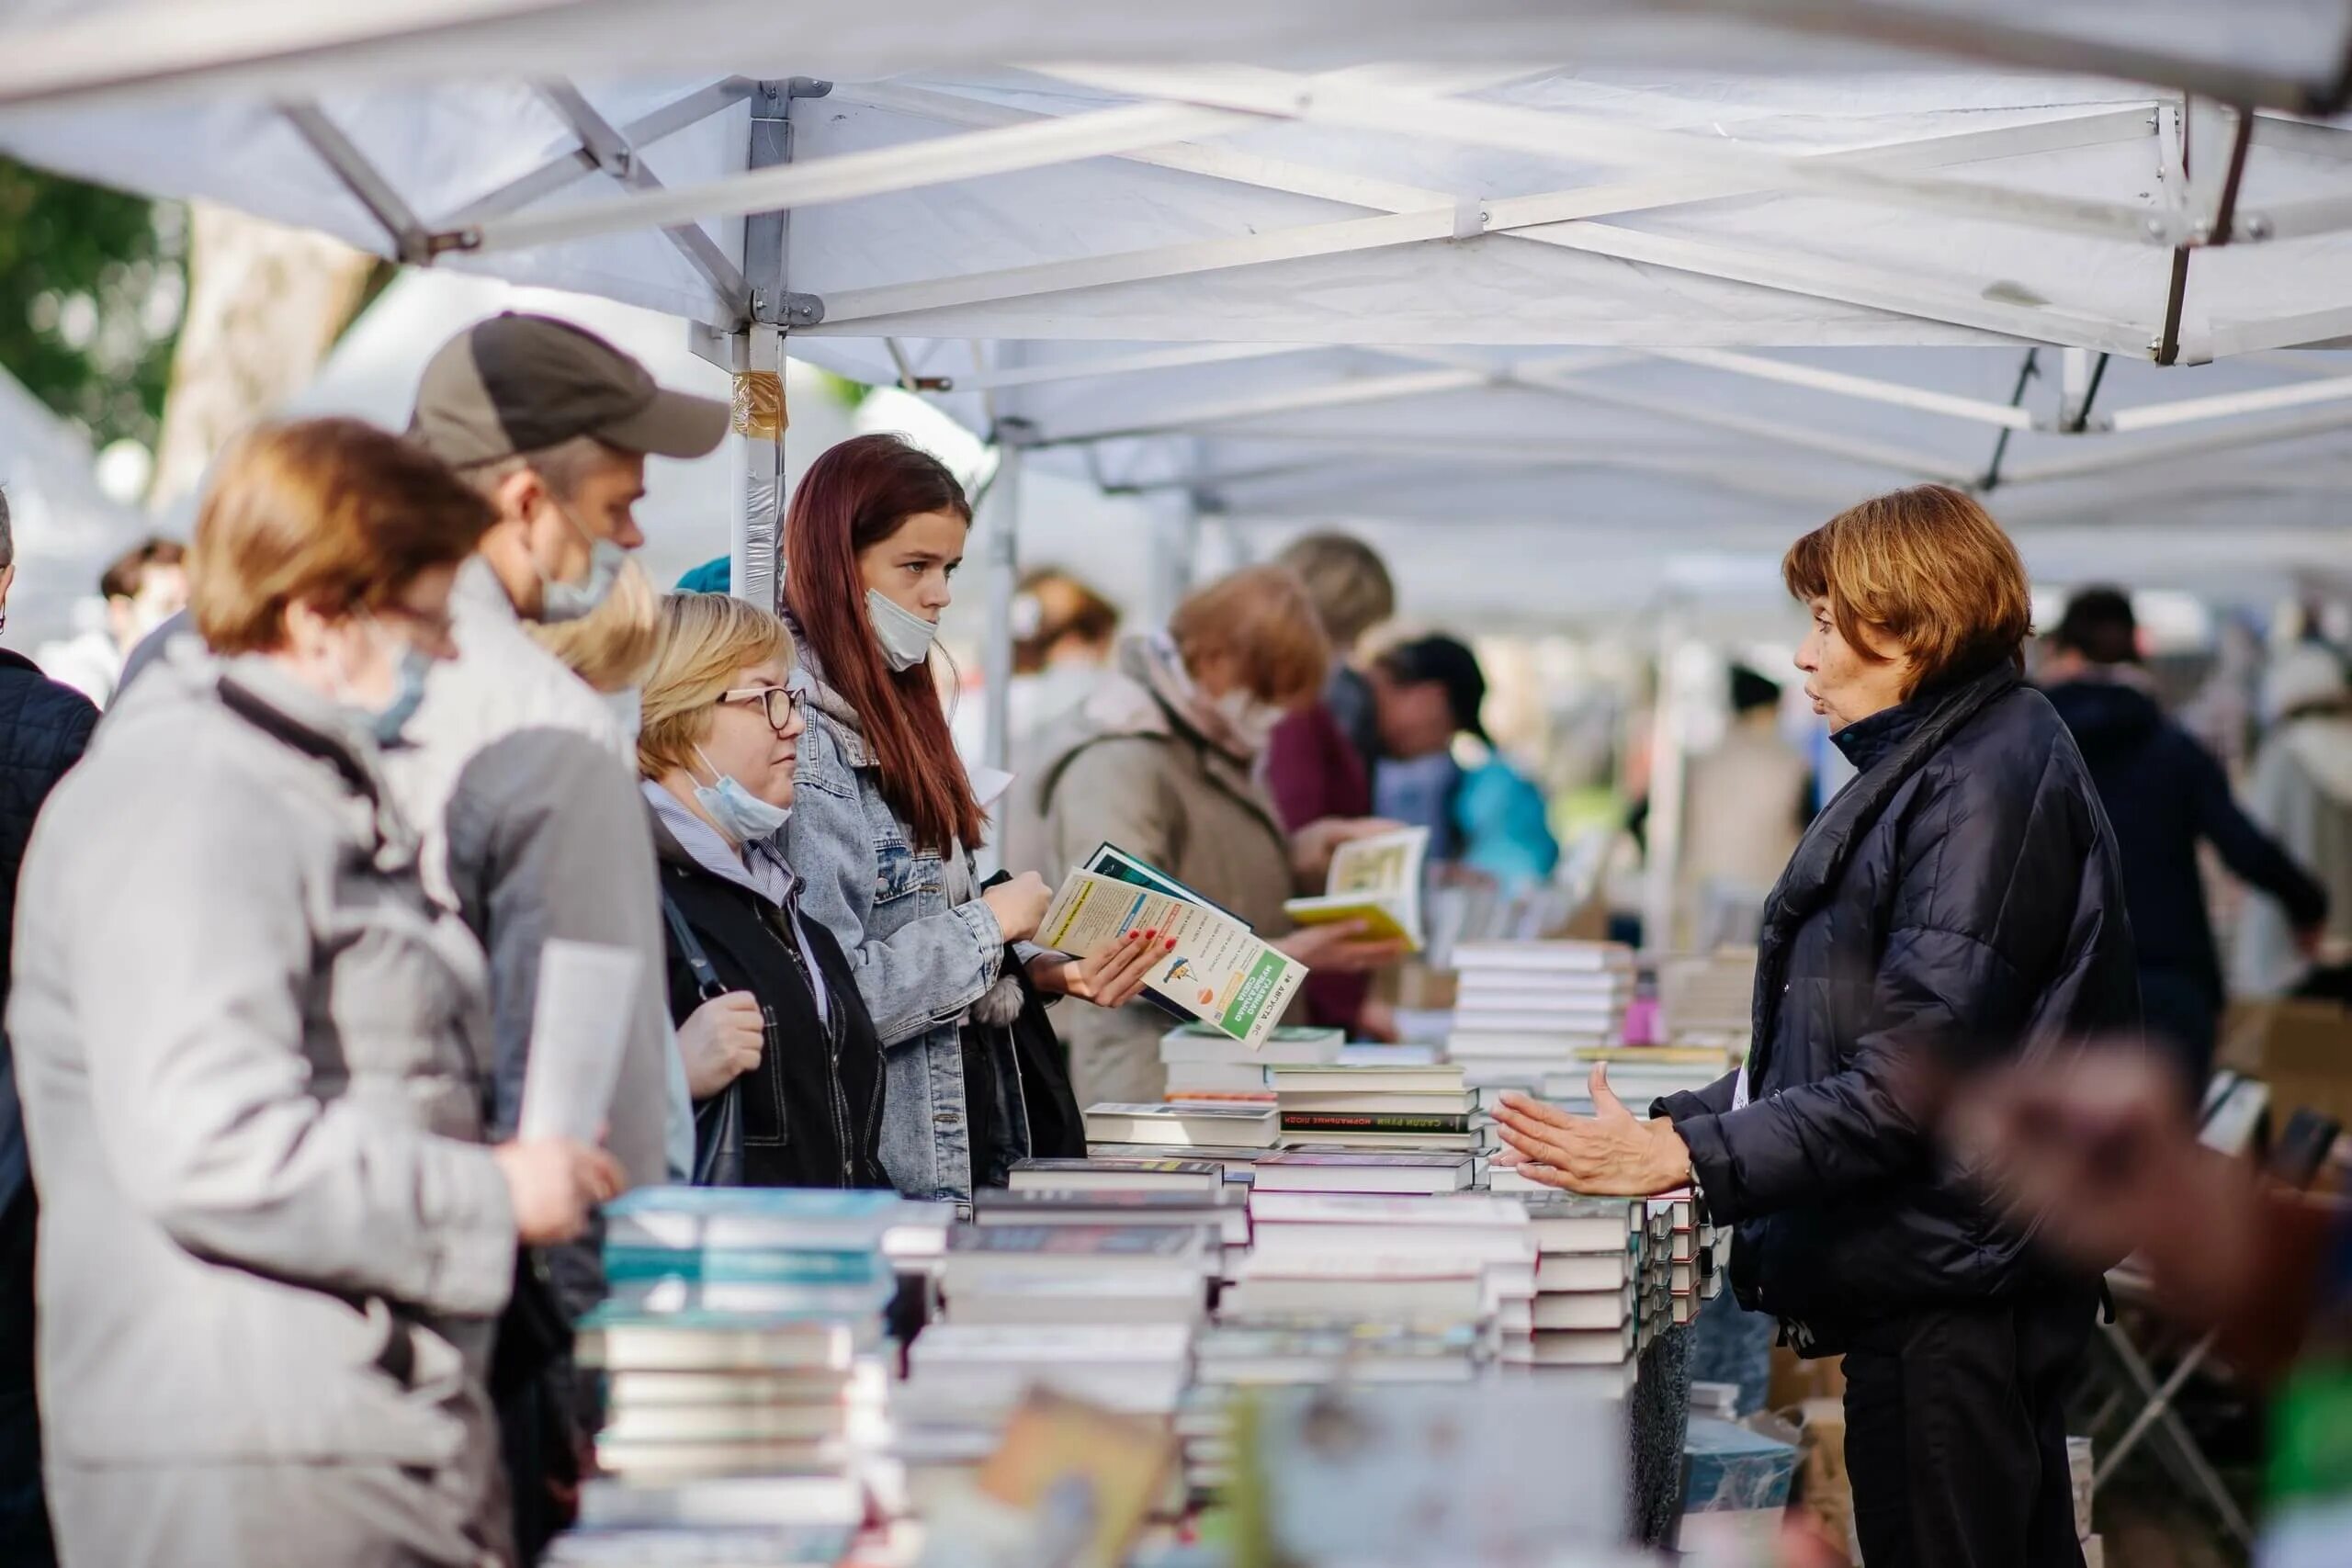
331 512
1347 579
1261 615
123 575
612 646
705 641
1927 567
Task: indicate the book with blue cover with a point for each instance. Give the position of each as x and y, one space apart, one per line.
818 1219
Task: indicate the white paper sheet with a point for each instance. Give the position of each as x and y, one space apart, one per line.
587 992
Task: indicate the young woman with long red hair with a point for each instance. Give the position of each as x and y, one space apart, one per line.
884 821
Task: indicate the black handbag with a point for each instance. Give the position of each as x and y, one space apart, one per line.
1056 1130
719 1120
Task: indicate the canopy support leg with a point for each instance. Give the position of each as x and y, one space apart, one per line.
1003 545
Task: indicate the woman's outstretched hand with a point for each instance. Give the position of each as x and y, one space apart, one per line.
1112 977
1612 1152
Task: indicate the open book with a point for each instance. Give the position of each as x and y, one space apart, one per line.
1218 972
1375 880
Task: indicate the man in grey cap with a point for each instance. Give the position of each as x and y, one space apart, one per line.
520 776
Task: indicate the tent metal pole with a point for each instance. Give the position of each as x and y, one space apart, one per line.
411 241
616 155
568 168
1667 781
1868 388
1003 557
2001 444
755 448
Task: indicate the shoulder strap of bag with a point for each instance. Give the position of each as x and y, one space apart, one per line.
708 984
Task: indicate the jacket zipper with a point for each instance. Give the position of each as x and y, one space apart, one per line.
837 1099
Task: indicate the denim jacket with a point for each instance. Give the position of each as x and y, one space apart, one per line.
920 962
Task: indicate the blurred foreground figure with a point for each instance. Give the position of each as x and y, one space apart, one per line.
251 1053
2099 1148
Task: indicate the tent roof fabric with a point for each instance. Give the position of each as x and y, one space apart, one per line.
1717 270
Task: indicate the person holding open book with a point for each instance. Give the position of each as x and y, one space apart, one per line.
885 819
1160 762
1959 904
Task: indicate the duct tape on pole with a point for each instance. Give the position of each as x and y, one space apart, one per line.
1003 578
755 453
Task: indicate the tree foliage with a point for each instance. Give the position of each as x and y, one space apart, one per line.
92 285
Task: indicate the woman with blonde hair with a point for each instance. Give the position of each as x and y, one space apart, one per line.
800 1103
1960 903
252 1052
1161 762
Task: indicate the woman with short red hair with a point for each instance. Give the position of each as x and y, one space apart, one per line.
1959 903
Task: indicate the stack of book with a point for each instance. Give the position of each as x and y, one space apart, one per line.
1588 1292
1637 1074
743 1338
1422 1109
1205 1063
1223 1211
1523 1009
1707 998
1236 1360
1184 1130
1679 1264
1438 1261
1326 1167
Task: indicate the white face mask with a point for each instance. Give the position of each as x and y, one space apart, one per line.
741 814
560 601
1251 720
906 638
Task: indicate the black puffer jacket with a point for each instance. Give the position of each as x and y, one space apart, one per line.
1960 900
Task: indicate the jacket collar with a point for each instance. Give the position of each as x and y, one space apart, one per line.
1869 741
255 689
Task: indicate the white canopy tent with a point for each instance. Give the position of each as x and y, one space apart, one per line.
1684 293
64 528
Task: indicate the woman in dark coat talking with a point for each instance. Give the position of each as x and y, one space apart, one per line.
1959 903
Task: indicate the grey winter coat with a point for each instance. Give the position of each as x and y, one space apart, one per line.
922 944
252 1054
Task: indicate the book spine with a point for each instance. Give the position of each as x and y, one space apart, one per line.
1354 1122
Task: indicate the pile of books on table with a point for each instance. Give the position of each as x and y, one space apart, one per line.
1440 1261
1424 1107
1205 1063
1682 1268
1707 998
1037 1294
1523 1008
1638 1073
1111 1198
745 1372
1588 1292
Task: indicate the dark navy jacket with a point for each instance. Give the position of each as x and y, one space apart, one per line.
1960 901
2164 791
43 728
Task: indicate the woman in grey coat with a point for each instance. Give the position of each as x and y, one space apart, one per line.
885 819
252 1057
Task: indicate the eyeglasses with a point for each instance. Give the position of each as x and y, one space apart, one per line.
776 702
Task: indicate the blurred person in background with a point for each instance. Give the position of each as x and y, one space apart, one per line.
1318 763
252 1051
2300 794
2163 793
884 821
1163 762
1487 816
143 587
1746 805
717 755
1960 904
1063 632
44 727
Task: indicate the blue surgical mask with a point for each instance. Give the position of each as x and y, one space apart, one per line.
906 638
408 693
561 601
741 814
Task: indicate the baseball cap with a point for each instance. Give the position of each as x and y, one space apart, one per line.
519 383
1451 665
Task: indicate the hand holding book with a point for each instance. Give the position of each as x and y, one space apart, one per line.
1112 977
1610 1152
1347 948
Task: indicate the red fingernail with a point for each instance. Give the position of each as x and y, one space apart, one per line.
1171 944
